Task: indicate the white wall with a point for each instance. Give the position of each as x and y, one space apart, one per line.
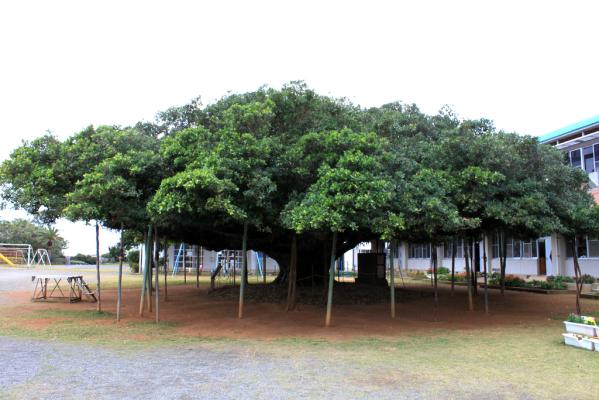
587 266
520 266
419 263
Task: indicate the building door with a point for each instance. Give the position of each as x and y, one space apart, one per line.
542 260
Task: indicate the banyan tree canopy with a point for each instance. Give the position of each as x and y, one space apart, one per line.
291 161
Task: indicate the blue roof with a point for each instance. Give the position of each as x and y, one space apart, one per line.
570 128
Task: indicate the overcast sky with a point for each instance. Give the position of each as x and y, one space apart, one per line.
529 66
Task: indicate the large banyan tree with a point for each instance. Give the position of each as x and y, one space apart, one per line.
290 165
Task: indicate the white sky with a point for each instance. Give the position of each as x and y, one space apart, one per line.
529 66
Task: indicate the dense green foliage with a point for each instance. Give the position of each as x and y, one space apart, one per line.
83 259
291 161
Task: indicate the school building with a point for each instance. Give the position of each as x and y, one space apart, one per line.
544 256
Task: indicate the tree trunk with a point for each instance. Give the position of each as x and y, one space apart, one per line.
243 268
197 270
485 261
327 321
434 273
502 260
156 275
99 303
430 262
150 261
234 270
453 250
473 265
120 279
392 278
467 262
144 286
577 274
264 268
151 270
245 273
165 266
292 275
325 268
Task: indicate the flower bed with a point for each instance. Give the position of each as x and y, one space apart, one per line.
513 281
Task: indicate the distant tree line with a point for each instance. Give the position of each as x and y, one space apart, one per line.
22 231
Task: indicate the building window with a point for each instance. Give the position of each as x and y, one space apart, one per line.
587 247
589 159
448 248
586 158
495 247
515 248
575 159
529 249
420 251
582 248
593 246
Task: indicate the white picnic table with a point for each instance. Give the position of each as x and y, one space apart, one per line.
77 287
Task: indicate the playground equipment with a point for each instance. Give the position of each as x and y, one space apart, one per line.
15 254
177 259
188 258
226 265
261 269
6 260
41 257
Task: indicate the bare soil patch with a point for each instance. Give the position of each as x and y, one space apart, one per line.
198 313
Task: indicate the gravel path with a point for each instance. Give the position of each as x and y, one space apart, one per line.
35 369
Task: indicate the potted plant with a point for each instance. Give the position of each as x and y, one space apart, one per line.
581 325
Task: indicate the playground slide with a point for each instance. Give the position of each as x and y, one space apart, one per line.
6 260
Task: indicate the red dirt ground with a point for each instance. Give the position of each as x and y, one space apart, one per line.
196 313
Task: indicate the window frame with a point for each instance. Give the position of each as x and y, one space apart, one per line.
419 251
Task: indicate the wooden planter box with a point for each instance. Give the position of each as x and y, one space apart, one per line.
580 329
571 339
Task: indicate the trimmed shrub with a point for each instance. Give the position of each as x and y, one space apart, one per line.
586 278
